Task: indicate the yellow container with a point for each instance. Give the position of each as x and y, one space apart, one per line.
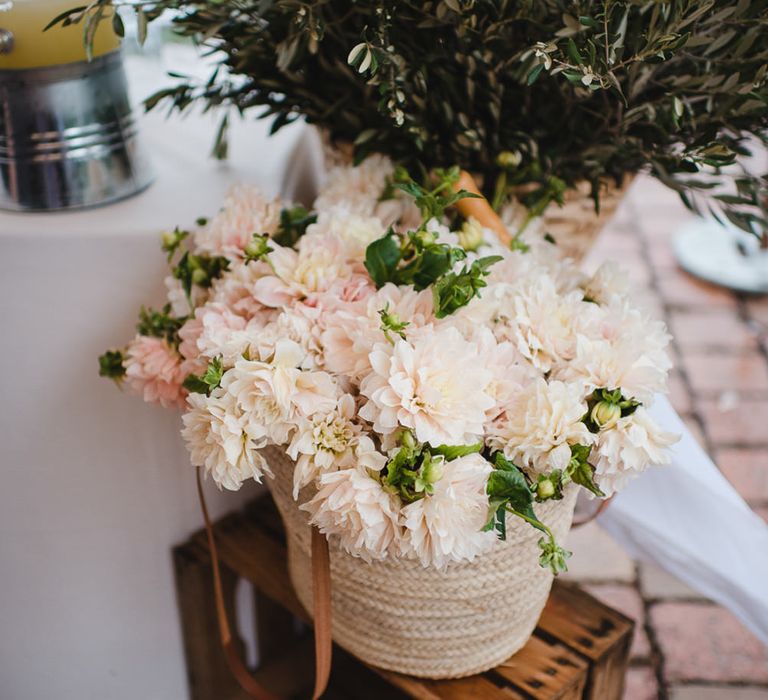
33 48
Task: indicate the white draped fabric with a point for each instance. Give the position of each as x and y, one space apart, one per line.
689 520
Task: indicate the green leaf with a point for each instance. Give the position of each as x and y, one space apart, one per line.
534 73
293 225
381 258
451 452
195 385
141 25
553 556
573 52
111 365
66 15
509 483
159 324
209 381
455 290
213 374
581 472
117 24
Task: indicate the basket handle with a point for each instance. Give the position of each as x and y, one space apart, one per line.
480 208
597 511
321 592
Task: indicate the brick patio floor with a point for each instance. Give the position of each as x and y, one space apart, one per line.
687 648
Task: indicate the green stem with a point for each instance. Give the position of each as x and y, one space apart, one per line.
535 523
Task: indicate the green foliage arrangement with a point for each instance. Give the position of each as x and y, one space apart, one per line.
546 93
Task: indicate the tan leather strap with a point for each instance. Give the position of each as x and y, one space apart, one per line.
321 574
321 597
589 518
480 208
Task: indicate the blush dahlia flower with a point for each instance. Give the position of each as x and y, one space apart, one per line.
435 385
153 369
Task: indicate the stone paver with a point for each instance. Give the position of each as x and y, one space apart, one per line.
717 692
713 374
743 425
679 394
597 557
626 599
758 311
702 642
720 389
711 329
657 584
640 684
681 290
747 470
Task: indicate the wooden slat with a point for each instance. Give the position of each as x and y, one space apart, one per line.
596 632
546 669
578 649
207 671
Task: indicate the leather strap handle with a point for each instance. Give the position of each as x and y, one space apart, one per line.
321 598
321 590
480 208
597 511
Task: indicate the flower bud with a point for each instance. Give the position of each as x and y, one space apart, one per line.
199 276
426 238
509 159
605 414
545 489
169 239
257 248
432 471
407 439
471 234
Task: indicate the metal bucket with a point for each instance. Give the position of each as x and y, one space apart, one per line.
68 137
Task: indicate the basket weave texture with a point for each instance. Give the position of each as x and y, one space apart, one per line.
398 615
574 225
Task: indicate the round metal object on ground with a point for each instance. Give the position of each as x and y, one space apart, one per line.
722 255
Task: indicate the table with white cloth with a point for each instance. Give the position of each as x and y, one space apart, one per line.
97 486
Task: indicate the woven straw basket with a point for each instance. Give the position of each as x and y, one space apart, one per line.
574 226
398 615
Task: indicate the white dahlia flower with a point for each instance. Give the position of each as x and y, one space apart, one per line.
352 507
219 439
319 262
177 298
355 231
628 448
246 211
225 333
357 188
276 395
538 428
446 526
608 281
351 331
324 443
234 289
436 385
539 321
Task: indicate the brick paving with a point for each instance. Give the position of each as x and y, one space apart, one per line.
685 647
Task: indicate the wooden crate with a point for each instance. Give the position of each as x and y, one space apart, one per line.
580 648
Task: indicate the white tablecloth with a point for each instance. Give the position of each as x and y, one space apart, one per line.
96 486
